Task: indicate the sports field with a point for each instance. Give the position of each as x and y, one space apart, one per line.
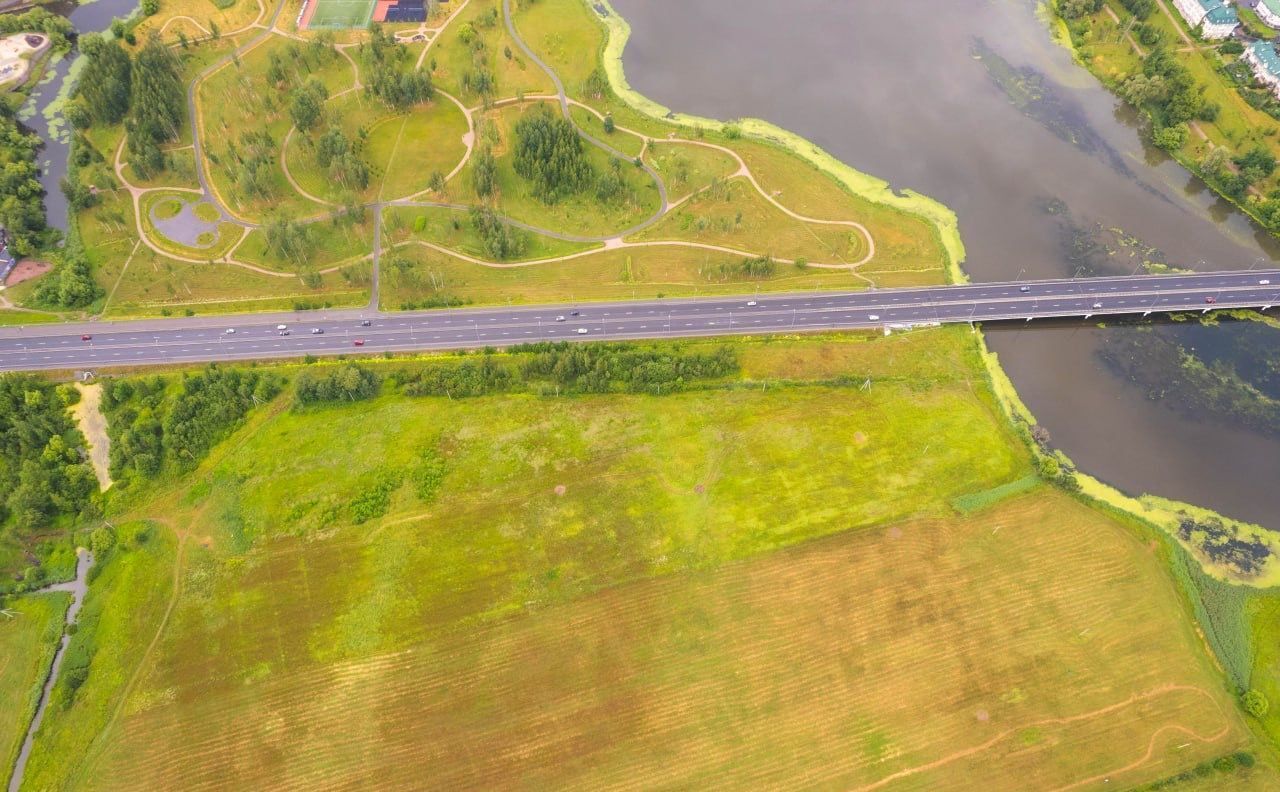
338 14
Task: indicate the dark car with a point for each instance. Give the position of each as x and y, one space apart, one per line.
1211 300
366 323
575 313
86 337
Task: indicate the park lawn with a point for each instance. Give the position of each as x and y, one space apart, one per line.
157 285
237 99
628 273
331 244
626 142
735 215
453 58
562 34
427 140
181 172
687 167
438 226
582 214
28 639
357 115
192 17
903 241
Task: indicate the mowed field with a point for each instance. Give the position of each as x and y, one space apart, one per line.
1035 646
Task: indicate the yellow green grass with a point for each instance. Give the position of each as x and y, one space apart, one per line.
192 18
28 638
751 582
581 214
452 228
737 216
627 273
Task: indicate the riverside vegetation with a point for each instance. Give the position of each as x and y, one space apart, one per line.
667 521
1203 104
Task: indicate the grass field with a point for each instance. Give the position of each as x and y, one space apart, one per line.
342 14
27 642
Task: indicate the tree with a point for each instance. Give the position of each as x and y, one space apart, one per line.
501 241
1170 138
485 173
71 284
105 82
1074 9
157 106
1255 703
306 104
549 153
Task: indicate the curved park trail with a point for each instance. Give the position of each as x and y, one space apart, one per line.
269 27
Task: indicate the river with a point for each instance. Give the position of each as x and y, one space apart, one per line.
972 103
93 17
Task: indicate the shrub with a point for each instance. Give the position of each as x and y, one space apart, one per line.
1255 703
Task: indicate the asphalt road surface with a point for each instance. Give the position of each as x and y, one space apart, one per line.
96 345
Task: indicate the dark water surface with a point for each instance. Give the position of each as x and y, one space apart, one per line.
92 18
972 103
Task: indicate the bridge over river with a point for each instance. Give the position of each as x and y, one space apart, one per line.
93 345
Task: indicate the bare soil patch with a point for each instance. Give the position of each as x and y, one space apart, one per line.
27 269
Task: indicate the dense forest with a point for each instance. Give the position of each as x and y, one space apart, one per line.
44 478
158 423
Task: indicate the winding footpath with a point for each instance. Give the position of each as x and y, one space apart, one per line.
208 192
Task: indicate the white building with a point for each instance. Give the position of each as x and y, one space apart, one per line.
1215 18
1261 55
1268 11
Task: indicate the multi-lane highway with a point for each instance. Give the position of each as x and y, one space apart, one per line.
96 345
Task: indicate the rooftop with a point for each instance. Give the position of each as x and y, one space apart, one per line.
1220 12
1265 52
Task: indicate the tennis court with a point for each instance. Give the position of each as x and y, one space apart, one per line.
337 14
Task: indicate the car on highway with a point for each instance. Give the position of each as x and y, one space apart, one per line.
873 317
358 342
317 331
1097 305
366 322
86 337
1264 282
559 318
582 331
230 331
282 327
1211 300
282 332
1024 289
575 313
752 304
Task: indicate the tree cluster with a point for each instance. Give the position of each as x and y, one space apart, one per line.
156 423
500 240
22 212
549 153
602 368
340 157
43 475
71 284
145 92
350 382
461 380
387 77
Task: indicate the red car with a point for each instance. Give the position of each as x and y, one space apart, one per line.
86 337
358 342
1211 300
